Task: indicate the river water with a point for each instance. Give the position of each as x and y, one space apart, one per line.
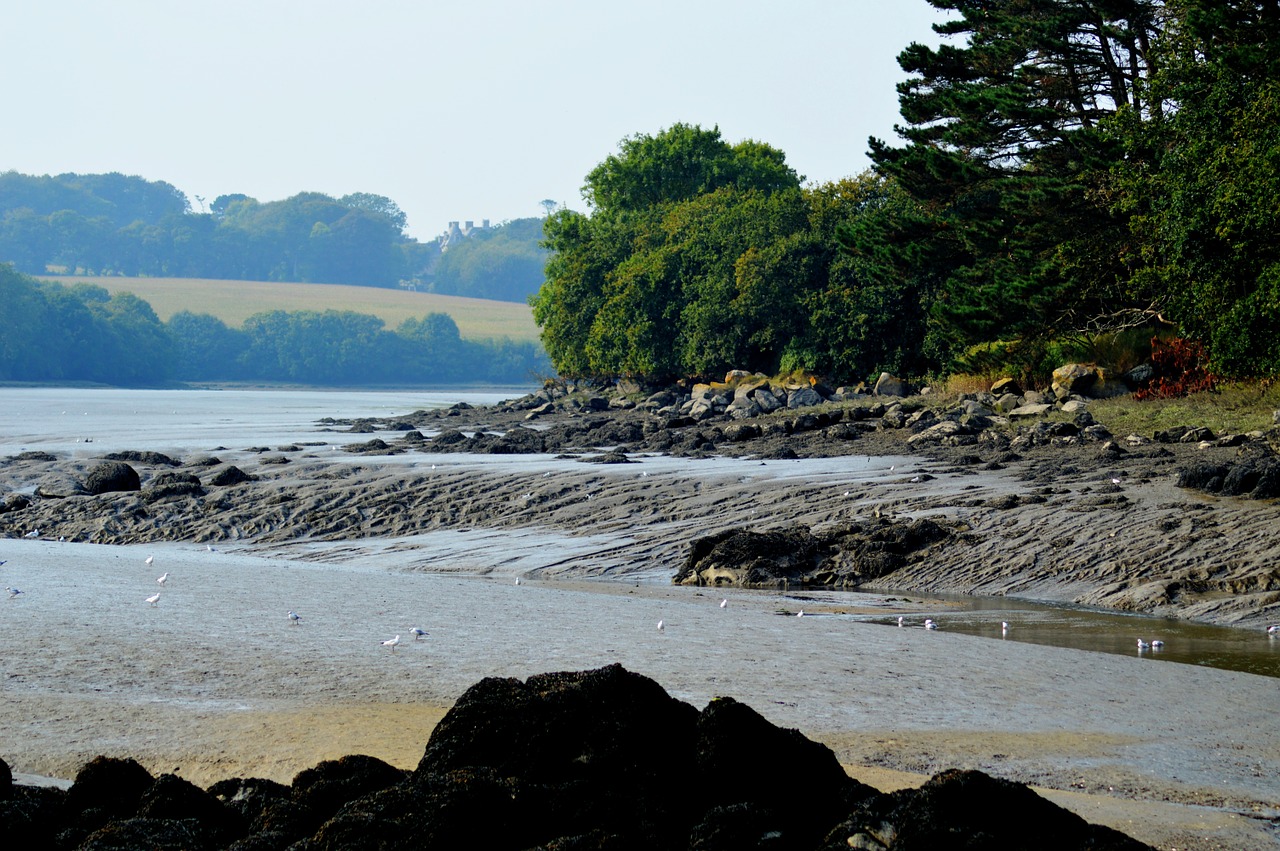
90 422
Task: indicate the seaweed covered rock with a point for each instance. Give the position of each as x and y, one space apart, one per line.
604 749
968 811
1258 478
601 759
747 558
846 555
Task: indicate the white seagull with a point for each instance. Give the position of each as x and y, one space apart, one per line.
1274 629
34 533
723 603
1004 627
901 621
163 578
417 632
294 617
1143 645
14 592
391 642
517 580
800 613
210 548
149 559
930 623
1156 644
153 599
662 627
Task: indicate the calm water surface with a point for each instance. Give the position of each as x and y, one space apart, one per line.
1251 651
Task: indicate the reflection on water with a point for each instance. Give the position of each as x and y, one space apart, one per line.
1252 651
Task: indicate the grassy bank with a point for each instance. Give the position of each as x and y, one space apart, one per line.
235 301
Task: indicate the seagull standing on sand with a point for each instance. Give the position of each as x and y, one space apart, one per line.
14 592
294 617
148 560
662 627
153 599
417 632
34 533
724 603
163 578
391 642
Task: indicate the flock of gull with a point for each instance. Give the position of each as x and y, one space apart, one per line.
1273 630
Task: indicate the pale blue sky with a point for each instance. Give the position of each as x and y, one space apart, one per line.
455 111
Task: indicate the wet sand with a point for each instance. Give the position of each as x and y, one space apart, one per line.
213 681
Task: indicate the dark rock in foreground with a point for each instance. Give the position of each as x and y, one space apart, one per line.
601 759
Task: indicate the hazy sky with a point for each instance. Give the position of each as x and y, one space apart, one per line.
454 111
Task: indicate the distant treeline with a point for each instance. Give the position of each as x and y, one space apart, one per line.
113 224
55 333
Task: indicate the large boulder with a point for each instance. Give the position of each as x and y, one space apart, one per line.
890 385
747 558
816 793
112 476
969 811
606 750
1074 379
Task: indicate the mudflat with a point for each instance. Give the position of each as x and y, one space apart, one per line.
215 680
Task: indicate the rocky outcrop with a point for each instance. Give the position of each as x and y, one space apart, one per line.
847 555
969 810
601 759
229 475
112 476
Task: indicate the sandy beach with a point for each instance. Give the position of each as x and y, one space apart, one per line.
214 681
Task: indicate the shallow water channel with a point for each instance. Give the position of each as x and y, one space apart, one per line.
1250 651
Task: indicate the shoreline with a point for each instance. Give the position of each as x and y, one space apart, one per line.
335 534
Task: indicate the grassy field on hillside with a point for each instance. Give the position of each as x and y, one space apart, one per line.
235 301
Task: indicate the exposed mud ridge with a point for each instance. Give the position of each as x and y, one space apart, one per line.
1058 511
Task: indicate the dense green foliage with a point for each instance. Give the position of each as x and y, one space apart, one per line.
80 333
1071 173
702 255
1006 153
55 333
110 224
1203 183
503 263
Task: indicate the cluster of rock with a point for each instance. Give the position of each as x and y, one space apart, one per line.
601 759
849 554
115 474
